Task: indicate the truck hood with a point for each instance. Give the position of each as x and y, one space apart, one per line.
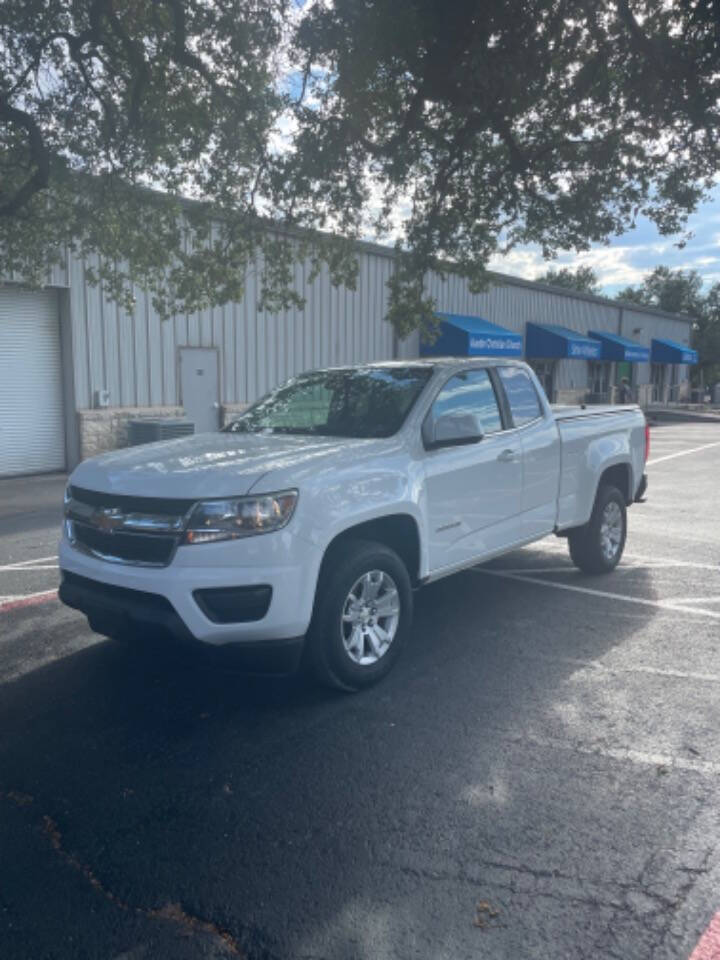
212 464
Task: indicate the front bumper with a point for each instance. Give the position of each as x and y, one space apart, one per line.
118 610
280 561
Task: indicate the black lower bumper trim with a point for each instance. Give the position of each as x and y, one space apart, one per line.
641 490
234 604
122 612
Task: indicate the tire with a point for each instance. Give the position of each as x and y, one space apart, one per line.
345 646
598 546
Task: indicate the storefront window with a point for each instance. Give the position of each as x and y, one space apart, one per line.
545 372
657 379
598 382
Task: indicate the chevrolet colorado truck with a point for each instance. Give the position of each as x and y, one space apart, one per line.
301 530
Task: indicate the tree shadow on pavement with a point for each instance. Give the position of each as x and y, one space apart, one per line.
264 818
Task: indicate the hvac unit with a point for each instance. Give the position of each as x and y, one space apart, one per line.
148 431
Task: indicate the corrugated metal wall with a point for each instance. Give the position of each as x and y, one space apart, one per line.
135 357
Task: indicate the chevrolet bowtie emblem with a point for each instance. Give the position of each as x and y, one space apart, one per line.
109 519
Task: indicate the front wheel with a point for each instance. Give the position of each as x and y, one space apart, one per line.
598 546
362 616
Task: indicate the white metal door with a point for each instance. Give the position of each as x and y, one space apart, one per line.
199 387
32 429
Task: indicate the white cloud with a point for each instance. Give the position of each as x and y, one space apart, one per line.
611 264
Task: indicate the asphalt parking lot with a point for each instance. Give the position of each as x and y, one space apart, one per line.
538 778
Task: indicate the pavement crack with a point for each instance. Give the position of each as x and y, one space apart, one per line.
509 886
693 874
174 913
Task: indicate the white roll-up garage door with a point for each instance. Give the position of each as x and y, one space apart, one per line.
32 431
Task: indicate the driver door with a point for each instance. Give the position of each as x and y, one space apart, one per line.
473 490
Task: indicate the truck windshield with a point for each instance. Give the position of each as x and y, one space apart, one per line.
359 402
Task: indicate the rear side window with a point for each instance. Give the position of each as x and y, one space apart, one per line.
521 395
470 392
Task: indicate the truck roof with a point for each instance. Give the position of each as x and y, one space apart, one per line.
433 362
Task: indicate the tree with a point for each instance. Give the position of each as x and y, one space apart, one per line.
460 129
680 291
490 125
114 111
583 279
675 291
706 336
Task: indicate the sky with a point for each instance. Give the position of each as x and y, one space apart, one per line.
627 259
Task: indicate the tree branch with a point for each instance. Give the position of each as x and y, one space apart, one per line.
39 154
138 63
181 54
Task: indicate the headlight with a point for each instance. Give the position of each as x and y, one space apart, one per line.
67 496
214 520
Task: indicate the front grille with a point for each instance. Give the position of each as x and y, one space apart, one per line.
156 505
115 527
129 547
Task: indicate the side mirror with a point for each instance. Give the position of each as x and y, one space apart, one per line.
452 429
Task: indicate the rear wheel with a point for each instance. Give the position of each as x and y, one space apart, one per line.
362 616
598 546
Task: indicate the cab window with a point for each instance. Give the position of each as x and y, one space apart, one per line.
470 391
521 395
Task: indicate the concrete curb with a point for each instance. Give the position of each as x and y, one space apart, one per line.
680 416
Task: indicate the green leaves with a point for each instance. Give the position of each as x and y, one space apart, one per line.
453 130
477 125
583 279
680 291
111 111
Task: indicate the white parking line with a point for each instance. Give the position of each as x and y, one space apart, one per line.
633 756
637 560
30 564
682 453
623 567
593 667
568 568
666 562
701 599
670 606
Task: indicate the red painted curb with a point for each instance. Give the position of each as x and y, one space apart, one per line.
709 946
29 601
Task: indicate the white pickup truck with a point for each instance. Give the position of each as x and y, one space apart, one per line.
302 529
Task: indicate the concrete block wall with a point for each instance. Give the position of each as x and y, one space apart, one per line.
230 411
570 397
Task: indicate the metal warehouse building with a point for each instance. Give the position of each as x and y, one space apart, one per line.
75 368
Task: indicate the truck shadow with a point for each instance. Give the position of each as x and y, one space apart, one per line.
304 822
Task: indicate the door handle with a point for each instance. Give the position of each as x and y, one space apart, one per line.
508 456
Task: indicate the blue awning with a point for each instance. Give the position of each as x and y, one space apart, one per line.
667 351
615 347
551 340
462 336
